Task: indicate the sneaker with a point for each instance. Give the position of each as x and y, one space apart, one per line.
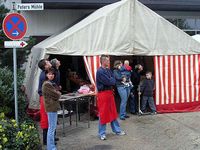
127 116
121 133
154 113
103 137
122 119
133 113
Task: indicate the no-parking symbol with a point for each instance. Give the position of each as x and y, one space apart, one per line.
14 26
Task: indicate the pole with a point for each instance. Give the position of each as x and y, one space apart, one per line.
139 101
13 7
15 83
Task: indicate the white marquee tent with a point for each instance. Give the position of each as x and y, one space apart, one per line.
123 28
196 37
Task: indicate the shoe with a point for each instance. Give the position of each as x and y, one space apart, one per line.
56 139
103 137
154 113
121 133
45 136
127 116
133 113
122 119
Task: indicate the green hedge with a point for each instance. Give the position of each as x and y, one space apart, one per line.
7 103
18 137
12 137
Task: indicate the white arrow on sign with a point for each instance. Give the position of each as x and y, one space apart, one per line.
15 44
15 33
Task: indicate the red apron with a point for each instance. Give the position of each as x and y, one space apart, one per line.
106 106
43 115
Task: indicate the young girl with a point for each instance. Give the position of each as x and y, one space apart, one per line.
51 97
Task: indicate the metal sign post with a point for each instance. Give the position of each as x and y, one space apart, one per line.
15 27
15 45
15 83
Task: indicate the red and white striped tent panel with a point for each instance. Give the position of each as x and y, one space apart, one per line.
92 63
177 80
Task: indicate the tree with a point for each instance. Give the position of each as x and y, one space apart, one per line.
3 12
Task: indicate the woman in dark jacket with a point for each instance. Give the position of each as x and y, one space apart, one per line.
51 101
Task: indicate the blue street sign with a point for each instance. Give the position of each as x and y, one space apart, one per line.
14 26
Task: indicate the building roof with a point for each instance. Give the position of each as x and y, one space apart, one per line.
72 4
172 5
161 5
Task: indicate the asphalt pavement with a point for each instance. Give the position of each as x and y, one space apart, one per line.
172 131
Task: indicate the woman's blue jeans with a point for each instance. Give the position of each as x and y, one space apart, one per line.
124 94
52 121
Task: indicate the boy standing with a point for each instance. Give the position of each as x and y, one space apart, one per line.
146 89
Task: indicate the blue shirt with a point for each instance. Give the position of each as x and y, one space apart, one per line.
104 79
41 80
118 76
125 72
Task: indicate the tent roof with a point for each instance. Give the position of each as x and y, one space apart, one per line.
126 27
123 28
196 37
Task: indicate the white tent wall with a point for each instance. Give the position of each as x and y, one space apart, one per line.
123 28
196 37
32 73
177 82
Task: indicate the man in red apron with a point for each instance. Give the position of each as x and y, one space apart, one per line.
105 99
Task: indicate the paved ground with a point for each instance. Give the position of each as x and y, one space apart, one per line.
180 131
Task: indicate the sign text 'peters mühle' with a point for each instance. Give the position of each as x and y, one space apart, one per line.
30 6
